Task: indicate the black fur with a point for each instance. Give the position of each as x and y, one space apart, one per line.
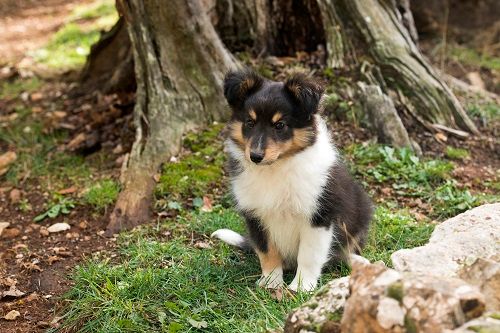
238 85
345 204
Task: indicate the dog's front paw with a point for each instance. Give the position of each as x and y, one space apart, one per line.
302 284
271 281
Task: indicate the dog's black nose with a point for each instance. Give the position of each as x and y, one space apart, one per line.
256 157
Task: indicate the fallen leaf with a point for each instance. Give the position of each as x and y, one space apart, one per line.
441 137
6 160
76 141
15 196
207 205
53 259
58 227
198 324
36 96
3 225
12 315
12 292
68 190
202 245
10 233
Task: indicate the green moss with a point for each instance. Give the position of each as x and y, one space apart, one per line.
456 153
97 9
410 325
395 291
195 173
483 329
335 316
102 194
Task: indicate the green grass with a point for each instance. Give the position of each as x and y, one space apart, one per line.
59 206
12 89
160 285
412 177
102 194
456 153
472 57
488 112
69 46
38 155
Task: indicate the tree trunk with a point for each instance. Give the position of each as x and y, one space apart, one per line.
179 67
369 36
110 65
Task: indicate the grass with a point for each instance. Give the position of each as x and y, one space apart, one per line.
12 89
174 286
456 153
37 153
412 177
472 57
102 194
70 45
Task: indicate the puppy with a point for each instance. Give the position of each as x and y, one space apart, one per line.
301 206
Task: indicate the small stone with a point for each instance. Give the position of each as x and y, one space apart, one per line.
44 232
15 196
10 233
58 227
3 225
83 225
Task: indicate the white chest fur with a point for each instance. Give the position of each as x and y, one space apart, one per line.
284 195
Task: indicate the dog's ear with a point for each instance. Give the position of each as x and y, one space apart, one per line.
238 85
306 92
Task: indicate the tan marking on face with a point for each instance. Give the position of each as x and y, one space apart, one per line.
253 115
301 139
277 117
270 260
236 133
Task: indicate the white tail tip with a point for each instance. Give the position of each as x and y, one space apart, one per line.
230 237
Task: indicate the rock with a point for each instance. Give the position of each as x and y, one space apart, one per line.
44 232
321 311
10 233
383 116
384 300
15 196
485 274
473 234
83 225
3 225
58 227
488 323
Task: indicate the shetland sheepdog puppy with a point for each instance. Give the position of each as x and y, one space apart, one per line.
301 206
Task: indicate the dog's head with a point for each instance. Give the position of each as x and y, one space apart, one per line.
271 120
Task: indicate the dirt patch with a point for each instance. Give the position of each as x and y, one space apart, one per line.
29 24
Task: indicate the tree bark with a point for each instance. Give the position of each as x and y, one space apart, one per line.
387 56
179 67
110 65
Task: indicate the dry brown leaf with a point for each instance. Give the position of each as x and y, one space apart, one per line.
68 190
441 137
7 159
207 205
53 259
12 292
12 315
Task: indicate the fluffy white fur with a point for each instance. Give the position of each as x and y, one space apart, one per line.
284 196
230 237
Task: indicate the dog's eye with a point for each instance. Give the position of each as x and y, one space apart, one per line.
279 125
250 123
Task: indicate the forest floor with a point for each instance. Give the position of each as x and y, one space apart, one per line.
169 275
